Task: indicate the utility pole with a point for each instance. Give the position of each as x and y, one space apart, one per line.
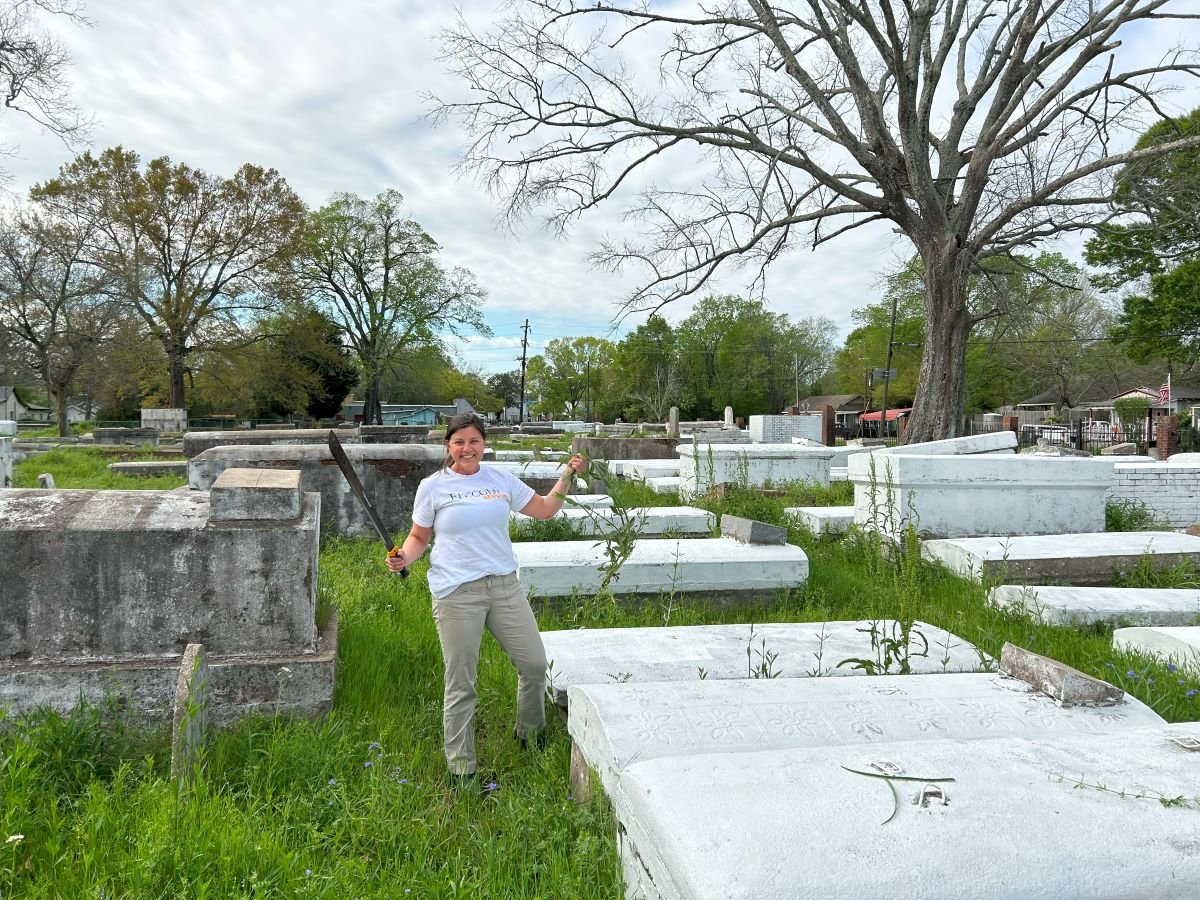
588 413
887 367
796 362
524 349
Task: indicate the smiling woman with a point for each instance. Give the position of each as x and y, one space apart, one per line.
473 580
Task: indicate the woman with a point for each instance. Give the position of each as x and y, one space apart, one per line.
472 577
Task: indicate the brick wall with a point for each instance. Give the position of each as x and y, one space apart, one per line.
1172 493
781 429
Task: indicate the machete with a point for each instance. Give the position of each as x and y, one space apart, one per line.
339 457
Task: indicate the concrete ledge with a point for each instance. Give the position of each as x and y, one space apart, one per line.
689 565
256 495
1087 559
1180 645
703 465
1059 605
1060 682
749 531
197 442
994 442
134 436
150 468
652 521
823 519
664 485
241 685
716 652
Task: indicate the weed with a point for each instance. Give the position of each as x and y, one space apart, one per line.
1131 514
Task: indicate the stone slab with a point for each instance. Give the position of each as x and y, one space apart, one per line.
127 436
683 653
664 485
714 566
592 501
197 442
1180 644
643 469
993 442
1067 605
1014 824
240 684
255 495
1065 685
979 494
115 575
652 521
823 519
616 725
150 468
1079 559
8 428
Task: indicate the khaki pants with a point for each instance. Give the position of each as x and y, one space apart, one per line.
498 603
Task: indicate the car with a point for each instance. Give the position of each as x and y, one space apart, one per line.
1054 434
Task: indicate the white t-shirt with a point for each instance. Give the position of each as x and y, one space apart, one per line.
469 517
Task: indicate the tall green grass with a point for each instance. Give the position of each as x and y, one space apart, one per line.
78 467
359 803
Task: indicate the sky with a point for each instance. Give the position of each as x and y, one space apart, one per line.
330 95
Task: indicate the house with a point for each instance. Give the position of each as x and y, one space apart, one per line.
16 406
1183 399
846 409
409 413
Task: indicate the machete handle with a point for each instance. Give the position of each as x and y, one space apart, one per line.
394 552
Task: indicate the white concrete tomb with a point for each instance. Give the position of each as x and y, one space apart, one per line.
1180 645
703 465
1066 605
823 519
711 652
652 521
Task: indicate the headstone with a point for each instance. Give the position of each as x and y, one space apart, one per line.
748 531
729 423
46 481
822 520
1126 449
256 495
189 716
1060 682
1052 450
165 419
152 468
1011 423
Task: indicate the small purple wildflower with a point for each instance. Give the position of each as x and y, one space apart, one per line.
1131 674
1191 693
374 745
1181 681
404 781
1172 668
491 785
368 764
333 781
1108 665
1149 681
308 871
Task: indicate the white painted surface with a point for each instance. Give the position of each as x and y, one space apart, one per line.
1171 492
651 520
679 653
536 469
838 473
556 568
758 465
823 519
616 725
1070 558
994 442
795 823
1184 459
8 428
1180 645
1065 605
982 494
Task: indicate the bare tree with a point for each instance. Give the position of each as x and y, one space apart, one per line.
974 127
54 301
33 68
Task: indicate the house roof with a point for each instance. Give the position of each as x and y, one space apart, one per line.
840 402
892 414
1045 398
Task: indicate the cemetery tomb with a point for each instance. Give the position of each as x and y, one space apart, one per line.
614 725
645 469
784 649
103 591
980 494
593 501
823 519
150 469
701 466
1081 559
670 485
539 475
652 521
780 429
838 473
724 570
197 442
841 453
1179 645
1022 819
1067 605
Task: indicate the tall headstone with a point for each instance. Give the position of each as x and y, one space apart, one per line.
8 430
189 719
729 417
673 422
46 481
165 419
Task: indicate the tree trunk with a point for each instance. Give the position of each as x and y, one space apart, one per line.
60 403
177 362
937 406
372 405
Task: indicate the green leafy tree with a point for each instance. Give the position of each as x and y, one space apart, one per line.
568 374
649 366
191 253
303 367
376 273
506 386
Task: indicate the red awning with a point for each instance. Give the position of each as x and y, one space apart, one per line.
893 415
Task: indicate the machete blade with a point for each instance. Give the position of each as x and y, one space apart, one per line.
343 463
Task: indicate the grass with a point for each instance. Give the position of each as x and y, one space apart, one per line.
359 805
77 467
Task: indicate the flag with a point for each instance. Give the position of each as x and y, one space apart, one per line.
1164 392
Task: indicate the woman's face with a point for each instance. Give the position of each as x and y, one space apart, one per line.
465 447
